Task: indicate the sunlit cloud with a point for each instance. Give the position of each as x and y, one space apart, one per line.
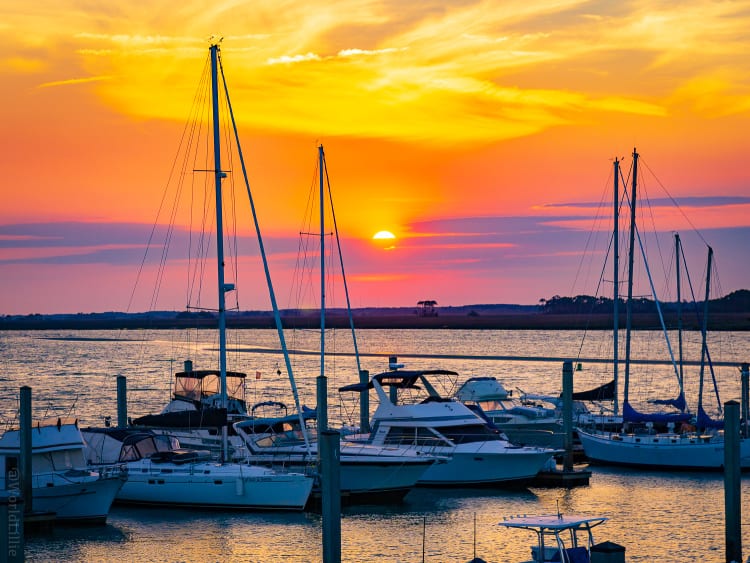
286 59
74 81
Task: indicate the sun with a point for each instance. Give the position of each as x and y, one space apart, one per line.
385 239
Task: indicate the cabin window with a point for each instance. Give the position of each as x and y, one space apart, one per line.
408 435
469 433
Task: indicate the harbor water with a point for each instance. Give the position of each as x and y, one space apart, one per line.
657 516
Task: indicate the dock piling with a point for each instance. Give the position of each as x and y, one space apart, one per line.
732 490
122 401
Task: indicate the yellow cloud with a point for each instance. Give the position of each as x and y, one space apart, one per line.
482 72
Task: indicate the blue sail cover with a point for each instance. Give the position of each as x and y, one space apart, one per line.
629 414
705 421
679 403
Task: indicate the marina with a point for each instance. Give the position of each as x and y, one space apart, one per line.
657 516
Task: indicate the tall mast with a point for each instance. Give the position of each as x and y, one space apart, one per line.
218 176
631 254
616 280
678 255
322 383
704 328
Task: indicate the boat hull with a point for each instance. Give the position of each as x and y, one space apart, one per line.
83 502
218 486
481 466
660 451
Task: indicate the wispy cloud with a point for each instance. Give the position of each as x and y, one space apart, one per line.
75 81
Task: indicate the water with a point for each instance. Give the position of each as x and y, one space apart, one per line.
671 517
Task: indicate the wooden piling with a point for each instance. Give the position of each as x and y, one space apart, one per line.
732 491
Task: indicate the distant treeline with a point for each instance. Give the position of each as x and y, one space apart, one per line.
735 302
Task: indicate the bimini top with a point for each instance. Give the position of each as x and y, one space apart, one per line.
553 522
402 379
201 373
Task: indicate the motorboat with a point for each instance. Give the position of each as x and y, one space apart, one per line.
478 452
367 472
161 473
522 423
61 482
560 538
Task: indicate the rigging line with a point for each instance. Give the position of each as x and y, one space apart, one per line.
272 294
341 262
580 263
645 198
156 219
677 205
591 234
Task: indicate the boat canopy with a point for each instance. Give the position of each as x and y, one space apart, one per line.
198 384
553 522
402 379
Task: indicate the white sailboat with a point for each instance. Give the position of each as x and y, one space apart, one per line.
366 472
185 478
61 481
657 440
160 473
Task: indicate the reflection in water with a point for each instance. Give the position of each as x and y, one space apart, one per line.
671 517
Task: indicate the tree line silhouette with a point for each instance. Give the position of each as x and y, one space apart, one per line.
735 302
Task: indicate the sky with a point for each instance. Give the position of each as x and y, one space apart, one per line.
481 134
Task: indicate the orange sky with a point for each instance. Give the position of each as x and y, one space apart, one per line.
480 133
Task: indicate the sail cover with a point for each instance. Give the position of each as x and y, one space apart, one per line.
604 392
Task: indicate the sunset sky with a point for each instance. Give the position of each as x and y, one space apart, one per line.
480 133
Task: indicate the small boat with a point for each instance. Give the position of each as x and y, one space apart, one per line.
367 472
524 424
478 453
161 473
561 538
61 482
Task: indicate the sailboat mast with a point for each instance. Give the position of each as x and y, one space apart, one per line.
616 281
678 254
704 328
631 254
322 383
218 176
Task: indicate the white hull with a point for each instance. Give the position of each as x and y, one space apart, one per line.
361 476
660 451
485 465
60 480
86 501
212 485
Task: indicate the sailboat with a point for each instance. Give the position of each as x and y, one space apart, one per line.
177 476
367 472
673 439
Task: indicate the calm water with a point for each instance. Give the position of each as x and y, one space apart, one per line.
658 517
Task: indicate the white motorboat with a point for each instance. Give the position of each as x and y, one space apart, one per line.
160 473
61 482
478 453
525 424
376 473
561 538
